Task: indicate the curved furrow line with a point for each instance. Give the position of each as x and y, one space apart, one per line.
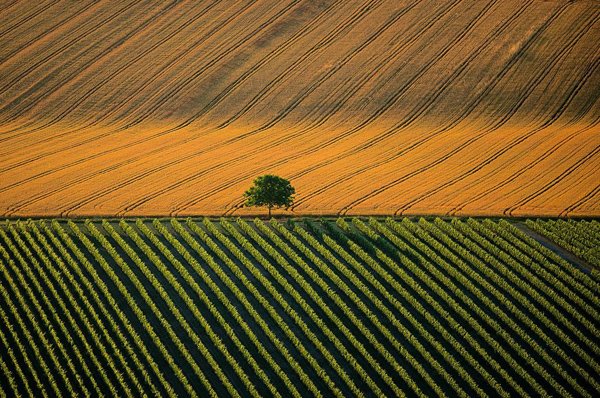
514 176
456 74
495 125
593 104
169 163
19 22
548 185
265 127
405 177
154 170
233 182
106 51
224 22
299 98
82 178
545 155
557 58
41 156
57 52
235 204
580 82
515 58
430 165
17 206
94 156
166 68
509 211
466 174
199 72
232 161
45 173
212 61
230 183
341 28
589 105
409 175
180 182
11 128
177 210
156 44
269 88
554 117
114 166
591 194
49 30
407 121
185 124
273 54
410 83
162 71
319 46
425 68
393 130
376 164
589 72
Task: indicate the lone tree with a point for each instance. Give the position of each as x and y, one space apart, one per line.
271 191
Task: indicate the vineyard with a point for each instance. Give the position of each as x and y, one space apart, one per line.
306 307
580 238
370 107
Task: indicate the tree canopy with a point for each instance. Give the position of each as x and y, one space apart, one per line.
270 191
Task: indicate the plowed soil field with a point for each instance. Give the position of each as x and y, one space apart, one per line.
463 107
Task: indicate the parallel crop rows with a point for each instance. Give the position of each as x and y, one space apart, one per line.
459 107
581 238
346 307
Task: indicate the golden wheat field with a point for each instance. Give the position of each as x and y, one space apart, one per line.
465 107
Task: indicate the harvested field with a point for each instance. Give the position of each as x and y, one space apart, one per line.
462 107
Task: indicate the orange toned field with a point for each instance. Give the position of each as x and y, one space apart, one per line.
463 107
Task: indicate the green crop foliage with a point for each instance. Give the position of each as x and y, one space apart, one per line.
349 307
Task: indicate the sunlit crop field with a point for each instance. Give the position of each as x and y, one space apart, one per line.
467 107
346 307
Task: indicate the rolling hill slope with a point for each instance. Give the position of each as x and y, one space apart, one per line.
369 107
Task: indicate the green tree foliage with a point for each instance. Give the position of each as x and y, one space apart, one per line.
271 191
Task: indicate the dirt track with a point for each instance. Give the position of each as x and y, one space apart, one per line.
369 107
